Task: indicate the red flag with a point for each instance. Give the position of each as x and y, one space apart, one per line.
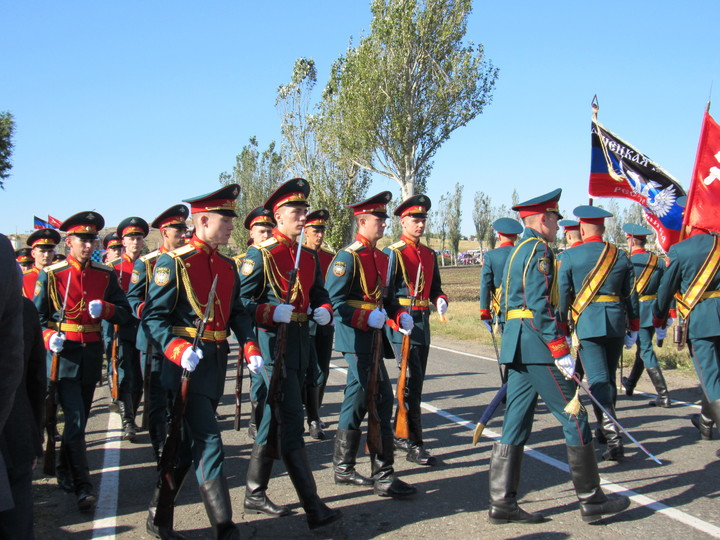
703 204
54 222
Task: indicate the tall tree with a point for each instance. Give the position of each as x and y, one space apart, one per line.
454 219
393 100
7 128
309 153
482 217
497 212
258 174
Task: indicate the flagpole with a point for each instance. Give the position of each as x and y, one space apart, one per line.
595 108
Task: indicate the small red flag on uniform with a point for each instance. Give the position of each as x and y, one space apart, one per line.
54 222
703 204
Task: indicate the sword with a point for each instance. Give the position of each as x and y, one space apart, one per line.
614 421
489 411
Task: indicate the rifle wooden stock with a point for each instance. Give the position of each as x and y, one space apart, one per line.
374 438
114 362
147 378
401 420
238 388
51 418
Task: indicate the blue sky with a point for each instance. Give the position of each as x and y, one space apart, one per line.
128 107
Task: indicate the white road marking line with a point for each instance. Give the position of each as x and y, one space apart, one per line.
637 498
106 509
491 359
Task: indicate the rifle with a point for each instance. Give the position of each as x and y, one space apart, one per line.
115 383
146 385
171 450
275 393
51 400
401 425
238 388
374 439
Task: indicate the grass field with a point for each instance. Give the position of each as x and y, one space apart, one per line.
462 285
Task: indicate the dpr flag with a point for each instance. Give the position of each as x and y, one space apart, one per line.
703 203
40 224
619 170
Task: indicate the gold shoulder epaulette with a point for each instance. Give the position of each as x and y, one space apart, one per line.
101 266
182 250
240 257
398 244
328 251
267 243
57 266
357 244
150 256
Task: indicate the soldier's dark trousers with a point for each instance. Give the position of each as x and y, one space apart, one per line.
157 402
75 400
18 522
417 366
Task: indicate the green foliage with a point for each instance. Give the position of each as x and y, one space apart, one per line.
481 217
395 98
311 153
258 174
454 218
7 128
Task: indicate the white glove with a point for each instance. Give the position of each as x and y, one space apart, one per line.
255 363
321 316
283 313
377 318
630 338
95 308
669 323
566 365
56 342
660 334
487 325
191 358
406 322
441 306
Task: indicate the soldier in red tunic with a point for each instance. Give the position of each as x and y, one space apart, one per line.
42 249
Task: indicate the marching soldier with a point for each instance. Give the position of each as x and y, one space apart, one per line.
595 283
171 224
573 238
176 298
265 281
113 250
259 222
321 336
94 295
648 272
24 259
132 232
692 274
493 265
42 249
113 247
538 361
355 283
414 263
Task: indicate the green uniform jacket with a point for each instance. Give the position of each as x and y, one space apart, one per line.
491 274
686 258
176 298
639 259
599 319
527 282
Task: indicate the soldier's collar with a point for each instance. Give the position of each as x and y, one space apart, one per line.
638 250
576 244
201 246
506 243
593 238
284 240
364 241
409 240
74 262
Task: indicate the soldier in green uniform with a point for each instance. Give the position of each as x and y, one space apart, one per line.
177 296
538 362
692 272
259 222
132 232
321 336
648 272
94 295
571 229
494 261
172 226
595 284
415 263
265 280
355 283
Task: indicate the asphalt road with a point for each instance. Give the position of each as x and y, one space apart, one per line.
677 499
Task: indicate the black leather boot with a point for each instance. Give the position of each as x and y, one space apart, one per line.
128 417
164 517
216 498
615 450
312 406
347 443
505 464
163 533
84 492
586 479
385 483
632 379
714 410
252 425
417 452
256 484
317 512
658 380
701 421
